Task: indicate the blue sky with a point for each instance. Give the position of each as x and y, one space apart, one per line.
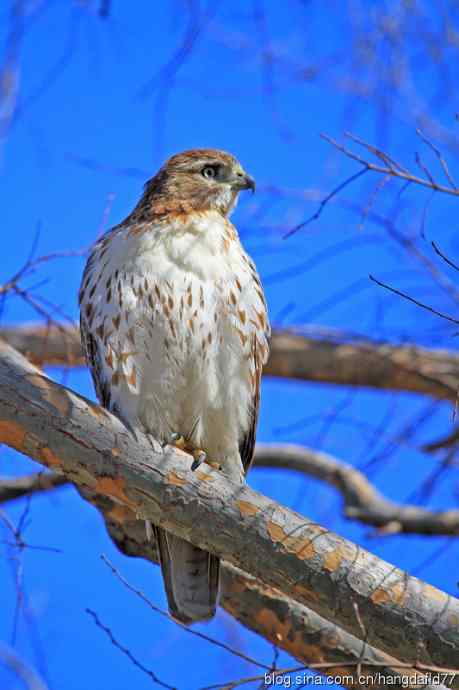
101 103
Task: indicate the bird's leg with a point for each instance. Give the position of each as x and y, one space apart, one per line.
178 440
199 455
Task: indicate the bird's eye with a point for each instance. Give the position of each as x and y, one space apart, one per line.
209 172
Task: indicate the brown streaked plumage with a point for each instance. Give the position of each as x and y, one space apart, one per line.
175 330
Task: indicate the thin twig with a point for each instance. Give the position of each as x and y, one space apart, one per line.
165 614
413 300
390 167
438 251
324 202
127 652
439 156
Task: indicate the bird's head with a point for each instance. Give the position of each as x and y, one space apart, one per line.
204 179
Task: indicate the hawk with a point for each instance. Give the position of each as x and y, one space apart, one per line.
175 331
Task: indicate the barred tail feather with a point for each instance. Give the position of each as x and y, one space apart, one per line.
191 578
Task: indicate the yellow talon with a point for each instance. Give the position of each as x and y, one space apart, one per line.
179 441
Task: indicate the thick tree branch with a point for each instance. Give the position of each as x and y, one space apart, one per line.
46 345
402 615
403 368
290 626
361 500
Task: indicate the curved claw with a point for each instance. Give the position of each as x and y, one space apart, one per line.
199 457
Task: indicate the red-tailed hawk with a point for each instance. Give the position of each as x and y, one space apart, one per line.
175 330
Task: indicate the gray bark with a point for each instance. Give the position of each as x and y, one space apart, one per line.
401 615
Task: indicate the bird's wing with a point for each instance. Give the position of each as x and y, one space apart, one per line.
94 359
260 335
247 444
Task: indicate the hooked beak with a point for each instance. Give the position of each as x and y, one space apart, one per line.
244 181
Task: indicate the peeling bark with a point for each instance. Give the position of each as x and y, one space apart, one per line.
305 635
362 501
402 615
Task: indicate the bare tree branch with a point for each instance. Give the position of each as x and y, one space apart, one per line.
148 672
361 500
17 487
448 441
388 166
404 616
46 345
9 657
290 626
402 294
323 360
367 364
